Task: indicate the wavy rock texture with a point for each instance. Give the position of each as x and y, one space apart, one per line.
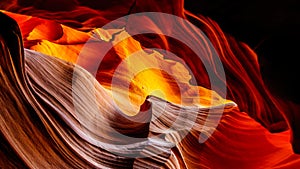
59 112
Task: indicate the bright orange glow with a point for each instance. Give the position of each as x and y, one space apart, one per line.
66 43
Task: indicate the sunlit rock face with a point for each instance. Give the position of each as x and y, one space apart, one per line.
84 87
